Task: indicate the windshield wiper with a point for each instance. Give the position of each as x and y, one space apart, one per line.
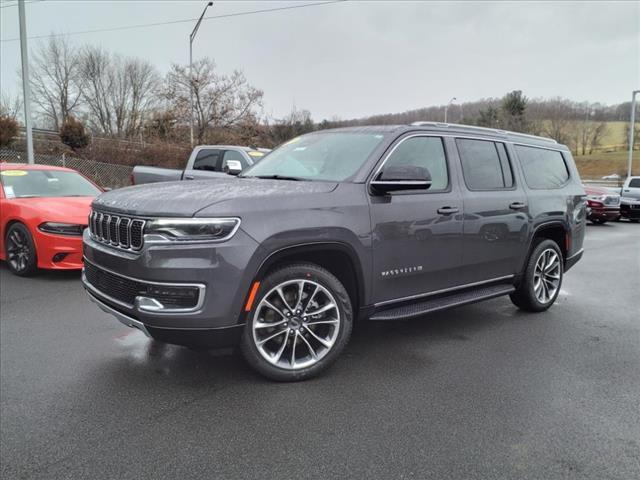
276 177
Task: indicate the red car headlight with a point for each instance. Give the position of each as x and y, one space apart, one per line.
70 229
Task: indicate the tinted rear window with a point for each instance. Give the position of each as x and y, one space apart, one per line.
542 168
485 164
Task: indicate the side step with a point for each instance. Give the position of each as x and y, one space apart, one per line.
434 304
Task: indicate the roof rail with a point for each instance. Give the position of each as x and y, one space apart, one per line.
482 129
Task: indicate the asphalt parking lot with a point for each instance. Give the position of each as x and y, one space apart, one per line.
484 391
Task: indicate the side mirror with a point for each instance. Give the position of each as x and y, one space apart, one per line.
407 177
233 167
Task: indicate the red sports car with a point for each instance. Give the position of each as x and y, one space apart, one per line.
43 211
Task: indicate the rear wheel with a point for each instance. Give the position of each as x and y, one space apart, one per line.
20 251
542 278
300 322
599 221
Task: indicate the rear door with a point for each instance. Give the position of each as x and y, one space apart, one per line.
417 234
495 211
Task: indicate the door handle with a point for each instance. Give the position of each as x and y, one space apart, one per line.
448 210
517 205
188 177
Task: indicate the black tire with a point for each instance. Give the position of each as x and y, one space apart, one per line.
599 221
525 296
634 220
340 328
20 251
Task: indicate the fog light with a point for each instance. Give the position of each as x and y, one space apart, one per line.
58 257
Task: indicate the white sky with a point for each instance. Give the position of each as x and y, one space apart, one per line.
359 58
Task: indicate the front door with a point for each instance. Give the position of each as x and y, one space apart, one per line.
417 234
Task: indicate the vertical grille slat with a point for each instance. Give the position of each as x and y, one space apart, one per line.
118 231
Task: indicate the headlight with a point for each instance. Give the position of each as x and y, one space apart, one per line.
193 229
62 228
598 198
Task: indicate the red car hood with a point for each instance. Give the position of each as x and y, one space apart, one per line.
59 209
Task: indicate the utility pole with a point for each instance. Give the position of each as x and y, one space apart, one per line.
191 38
446 108
632 123
26 90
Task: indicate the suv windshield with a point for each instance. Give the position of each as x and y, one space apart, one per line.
331 156
46 183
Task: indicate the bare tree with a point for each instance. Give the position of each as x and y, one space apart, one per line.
10 106
55 80
220 101
119 92
596 137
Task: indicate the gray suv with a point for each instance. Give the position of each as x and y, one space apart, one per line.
376 223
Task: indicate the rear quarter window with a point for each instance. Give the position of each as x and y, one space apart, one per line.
542 168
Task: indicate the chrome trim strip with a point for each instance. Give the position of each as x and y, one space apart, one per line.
121 317
168 311
444 290
579 252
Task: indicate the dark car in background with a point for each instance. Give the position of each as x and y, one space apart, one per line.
603 204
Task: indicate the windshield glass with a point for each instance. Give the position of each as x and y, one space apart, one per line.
46 183
330 156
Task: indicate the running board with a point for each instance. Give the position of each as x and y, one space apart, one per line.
434 304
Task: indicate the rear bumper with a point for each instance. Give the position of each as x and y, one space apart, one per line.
604 213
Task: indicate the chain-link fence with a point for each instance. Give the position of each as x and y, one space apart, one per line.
104 174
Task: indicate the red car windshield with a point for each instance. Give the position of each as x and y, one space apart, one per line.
46 183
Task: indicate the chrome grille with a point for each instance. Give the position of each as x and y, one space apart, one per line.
116 230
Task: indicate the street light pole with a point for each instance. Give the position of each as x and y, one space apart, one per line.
26 91
446 108
632 122
191 38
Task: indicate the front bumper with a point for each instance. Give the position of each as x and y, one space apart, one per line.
206 338
631 211
49 245
224 271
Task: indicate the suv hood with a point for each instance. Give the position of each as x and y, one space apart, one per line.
186 198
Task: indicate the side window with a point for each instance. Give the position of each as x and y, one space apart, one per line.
634 183
208 160
426 152
485 164
234 155
542 168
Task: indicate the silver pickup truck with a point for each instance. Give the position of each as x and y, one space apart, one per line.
206 161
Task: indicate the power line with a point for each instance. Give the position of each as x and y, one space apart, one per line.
145 25
16 4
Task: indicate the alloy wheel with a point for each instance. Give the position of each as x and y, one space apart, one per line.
18 250
296 324
546 276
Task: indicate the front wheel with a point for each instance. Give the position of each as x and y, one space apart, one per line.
20 251
542 278
300 322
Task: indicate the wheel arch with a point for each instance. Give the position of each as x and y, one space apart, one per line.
555 230
338 258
